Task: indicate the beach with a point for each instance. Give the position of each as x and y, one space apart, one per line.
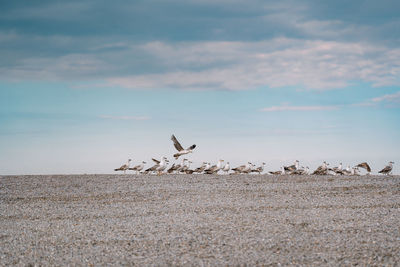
201 220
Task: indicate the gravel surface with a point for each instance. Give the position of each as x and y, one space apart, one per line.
199 220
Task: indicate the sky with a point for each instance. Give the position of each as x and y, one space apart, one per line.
85 85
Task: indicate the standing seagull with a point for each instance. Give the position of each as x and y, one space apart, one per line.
322 170
201 168
181 150
226 168
293 167
176 167
154 167
215 168
124 167
138 168
162 165
388 169
259 169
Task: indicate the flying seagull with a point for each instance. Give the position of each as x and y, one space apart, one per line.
124 167
181 150
388 169
364 165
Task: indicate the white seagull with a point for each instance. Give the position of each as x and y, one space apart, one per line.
226 168
181 150
124 167
138 168
157 165
215 168
259 169
293 167
201 168
162 165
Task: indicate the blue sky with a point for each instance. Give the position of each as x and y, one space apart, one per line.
84 85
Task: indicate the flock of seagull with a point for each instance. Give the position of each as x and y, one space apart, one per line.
161 167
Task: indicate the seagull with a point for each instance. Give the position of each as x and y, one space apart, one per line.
186 166
215 168
181 150
275 172
299 171
243 168
388 169
182 166
226 168
365 166
154 167
248 168
162 165
292 167
138 168
338 170
354 171
239 169
322 170
188 170
208 166
124 167
201 168
259 169
176 167
347 171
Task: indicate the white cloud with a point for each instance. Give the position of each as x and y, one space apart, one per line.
318 65
298 108
217 65
134 118
395 98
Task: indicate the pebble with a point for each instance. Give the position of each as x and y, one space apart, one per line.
201 220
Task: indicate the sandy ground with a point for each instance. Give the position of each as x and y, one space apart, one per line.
199 220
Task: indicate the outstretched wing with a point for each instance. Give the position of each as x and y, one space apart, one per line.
191 147
365 166
156 161
177 145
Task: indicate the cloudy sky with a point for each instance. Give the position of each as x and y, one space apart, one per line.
84 85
